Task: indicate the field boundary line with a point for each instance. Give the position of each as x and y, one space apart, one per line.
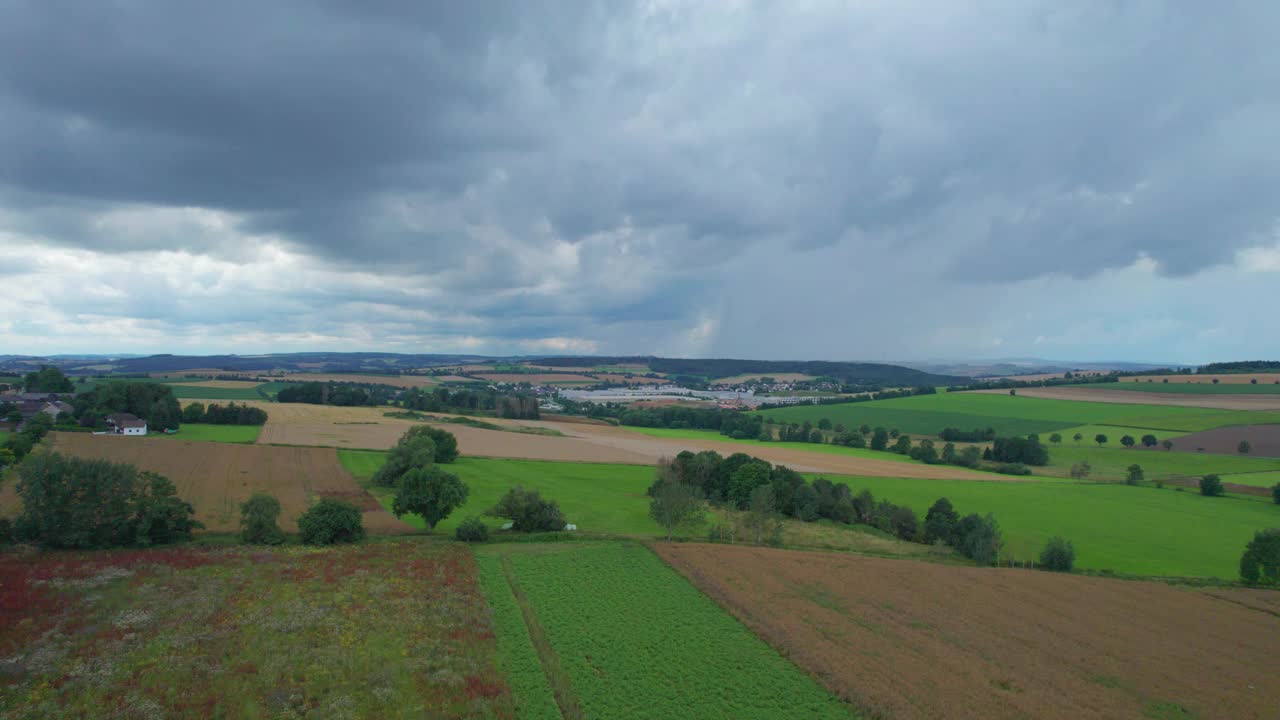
561 689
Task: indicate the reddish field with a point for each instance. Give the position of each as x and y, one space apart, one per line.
216 477
1263 439
907 639
1085 393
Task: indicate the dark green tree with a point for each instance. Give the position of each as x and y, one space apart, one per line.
880 440
1211 486
1167 445
1149 441
1275 493
410 453
47 379
1127 441
940 522
331 521
1134 475
1055 438
1100 439
472 529
1260 563
430 493
1058 555
1244 448
528 511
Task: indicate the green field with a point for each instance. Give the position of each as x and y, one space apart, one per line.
657 647
517 657
1138 530
188 392
1195 388
1112 462
712 435
1256 479
1013 415
595 497
216 433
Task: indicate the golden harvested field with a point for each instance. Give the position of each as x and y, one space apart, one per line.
452 378
216 477
1127 397
367 428
780 377
906 639
403 381
206 372
1231 379
536 378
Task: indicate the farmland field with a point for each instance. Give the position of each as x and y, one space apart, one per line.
629 638
595 497
915 640
1112 462
402 381
201 432
1136 530
216 477
249 633
1263 439
1258 404
1256 479
1113 433
1207 379
1014 415
1264 387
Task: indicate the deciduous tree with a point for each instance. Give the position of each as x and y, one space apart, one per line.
430 493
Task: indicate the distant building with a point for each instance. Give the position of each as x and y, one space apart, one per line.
56 408
126 424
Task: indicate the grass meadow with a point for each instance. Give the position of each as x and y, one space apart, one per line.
1257 479
596 497
657 646
1112 462
394 629
1138 530
1014 415
241 434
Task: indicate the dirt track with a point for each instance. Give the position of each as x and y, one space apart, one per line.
916 640
216 477
1130 397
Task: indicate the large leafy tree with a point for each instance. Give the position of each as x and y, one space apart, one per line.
411 453
48 379
1261 560
940 522
430 493
676 505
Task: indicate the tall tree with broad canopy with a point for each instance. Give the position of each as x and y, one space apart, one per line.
430 493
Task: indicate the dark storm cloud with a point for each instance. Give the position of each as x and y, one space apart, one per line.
558 168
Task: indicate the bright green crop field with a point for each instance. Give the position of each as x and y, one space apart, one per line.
595 497
658 647
1014 415
1112 462
1256 479
1139 530
244 434
1195 388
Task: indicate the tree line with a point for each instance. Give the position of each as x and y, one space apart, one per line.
231 414
767 493
521 406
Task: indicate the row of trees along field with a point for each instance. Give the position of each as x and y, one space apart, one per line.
767 493
519 406
230 414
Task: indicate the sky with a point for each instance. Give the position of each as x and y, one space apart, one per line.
795 180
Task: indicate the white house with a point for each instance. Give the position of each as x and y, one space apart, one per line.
127 424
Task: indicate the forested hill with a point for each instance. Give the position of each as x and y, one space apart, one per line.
848 372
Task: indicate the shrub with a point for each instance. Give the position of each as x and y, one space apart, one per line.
1080 470
472 530
1013 469
940 522
331 521
1211 486
1027 451
1058 555
259 517
1260 563
1244 448
528 512
978 538
1275 493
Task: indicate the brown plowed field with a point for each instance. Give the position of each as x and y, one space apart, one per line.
1264 440
1232 379
906 639
1129 397
216 477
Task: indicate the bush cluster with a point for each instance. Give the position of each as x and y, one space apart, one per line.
70 502
331 521
472 529
528 511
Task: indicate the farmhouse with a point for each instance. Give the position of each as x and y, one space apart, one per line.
126 424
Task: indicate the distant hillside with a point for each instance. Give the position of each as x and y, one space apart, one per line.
391 363
1247 366
847 372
